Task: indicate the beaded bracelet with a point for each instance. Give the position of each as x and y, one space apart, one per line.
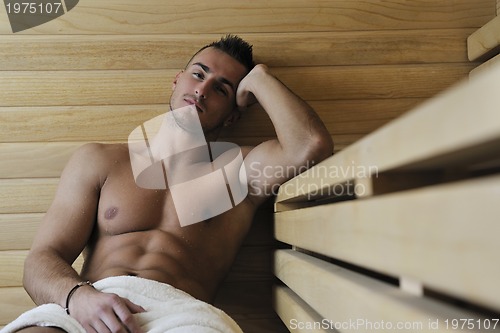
72 291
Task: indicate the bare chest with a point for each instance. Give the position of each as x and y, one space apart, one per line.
125 207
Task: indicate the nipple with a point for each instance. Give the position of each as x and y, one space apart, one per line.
111 213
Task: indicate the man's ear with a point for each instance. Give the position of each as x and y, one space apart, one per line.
177 76
233 117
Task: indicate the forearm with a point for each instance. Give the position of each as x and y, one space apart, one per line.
295 122
48 278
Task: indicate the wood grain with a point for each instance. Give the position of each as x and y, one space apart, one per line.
30 195
106 66
172 51
443 236
13 302
449 139
117 87
485 40
343 296
178 16
17 230
110 123
293 310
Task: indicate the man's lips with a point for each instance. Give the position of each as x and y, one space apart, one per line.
191 101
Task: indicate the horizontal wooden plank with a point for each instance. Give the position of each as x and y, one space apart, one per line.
46 160
341 117
26 195
72 88
484 40
444 236
12 263
297 314
24 157
461 126
372 82
35 160
84 87
71 123
347 298
28 52
177 16
114 123
17 230
13 302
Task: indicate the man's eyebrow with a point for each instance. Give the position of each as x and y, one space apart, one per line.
206 69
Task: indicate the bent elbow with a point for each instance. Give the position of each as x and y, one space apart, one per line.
320 148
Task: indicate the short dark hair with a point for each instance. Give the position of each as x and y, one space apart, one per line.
235 47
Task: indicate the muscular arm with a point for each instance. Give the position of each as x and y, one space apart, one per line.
302 139
64 231
62 236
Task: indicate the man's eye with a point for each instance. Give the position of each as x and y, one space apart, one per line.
221 90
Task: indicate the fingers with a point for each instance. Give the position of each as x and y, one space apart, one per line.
108 313
119 318
134 308
124 314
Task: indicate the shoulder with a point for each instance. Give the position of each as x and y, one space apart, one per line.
94 160
99 154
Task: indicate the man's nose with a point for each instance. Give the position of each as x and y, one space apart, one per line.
201 90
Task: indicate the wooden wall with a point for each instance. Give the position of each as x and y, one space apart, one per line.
97 72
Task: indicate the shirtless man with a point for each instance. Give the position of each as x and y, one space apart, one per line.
128 230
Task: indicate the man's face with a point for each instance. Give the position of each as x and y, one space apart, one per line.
210 82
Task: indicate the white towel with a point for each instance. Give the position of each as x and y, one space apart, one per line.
167 310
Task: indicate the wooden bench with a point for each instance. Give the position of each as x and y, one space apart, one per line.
105 67
399 231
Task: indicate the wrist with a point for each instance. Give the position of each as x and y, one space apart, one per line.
73 291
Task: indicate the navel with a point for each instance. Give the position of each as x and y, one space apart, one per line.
111 213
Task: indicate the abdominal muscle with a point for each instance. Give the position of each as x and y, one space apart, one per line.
155 255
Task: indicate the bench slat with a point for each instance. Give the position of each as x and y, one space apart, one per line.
297 315
484 40
444 236
343 296
436 134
